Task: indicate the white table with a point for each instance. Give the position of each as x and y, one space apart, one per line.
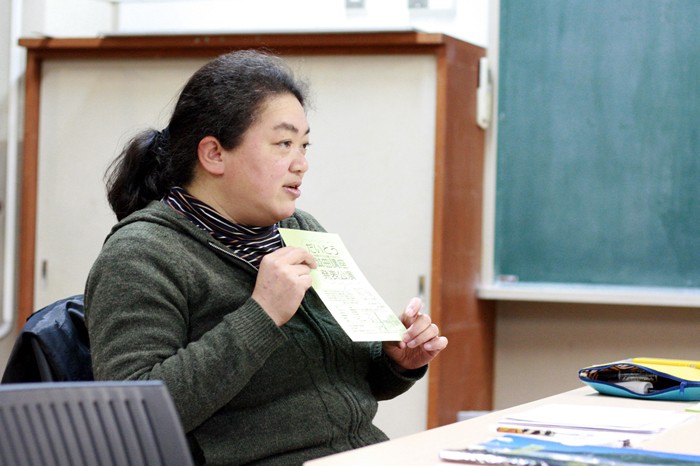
422 449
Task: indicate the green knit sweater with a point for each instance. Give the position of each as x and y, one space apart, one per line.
166 301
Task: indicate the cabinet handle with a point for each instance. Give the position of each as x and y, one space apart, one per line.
421 286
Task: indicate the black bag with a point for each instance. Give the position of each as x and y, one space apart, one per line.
52 346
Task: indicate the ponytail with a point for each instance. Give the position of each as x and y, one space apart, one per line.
137 175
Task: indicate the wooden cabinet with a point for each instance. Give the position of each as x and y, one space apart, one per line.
396 169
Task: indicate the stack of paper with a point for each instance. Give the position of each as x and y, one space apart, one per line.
600 418
591 425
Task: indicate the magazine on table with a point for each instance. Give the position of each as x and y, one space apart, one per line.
517 450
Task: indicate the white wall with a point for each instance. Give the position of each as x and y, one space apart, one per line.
539 346
464 19
5 41
87 18
65 18
27 18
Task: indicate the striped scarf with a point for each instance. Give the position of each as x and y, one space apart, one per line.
248 243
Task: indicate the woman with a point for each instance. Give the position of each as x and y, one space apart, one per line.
194 287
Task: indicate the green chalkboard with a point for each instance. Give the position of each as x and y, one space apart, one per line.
598 172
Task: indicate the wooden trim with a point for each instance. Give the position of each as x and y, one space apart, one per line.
462 377
348 40
182 46
438 311
28 189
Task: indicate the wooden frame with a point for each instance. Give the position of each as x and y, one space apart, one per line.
462 377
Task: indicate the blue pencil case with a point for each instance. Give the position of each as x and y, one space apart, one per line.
646 378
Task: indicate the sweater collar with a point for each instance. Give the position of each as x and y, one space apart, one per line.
249 243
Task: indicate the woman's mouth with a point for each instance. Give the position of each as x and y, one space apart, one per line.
293 189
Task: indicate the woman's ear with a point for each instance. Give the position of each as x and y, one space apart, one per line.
209 153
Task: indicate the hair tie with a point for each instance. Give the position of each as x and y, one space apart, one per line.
159 143
161 138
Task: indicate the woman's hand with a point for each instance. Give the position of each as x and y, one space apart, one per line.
421 342
284 277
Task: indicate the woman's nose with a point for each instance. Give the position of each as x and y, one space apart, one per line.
301 163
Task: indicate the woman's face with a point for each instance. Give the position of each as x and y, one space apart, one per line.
262 175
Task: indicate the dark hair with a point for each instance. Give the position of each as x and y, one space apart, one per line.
221 99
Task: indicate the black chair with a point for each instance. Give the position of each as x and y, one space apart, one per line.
90 423
52 346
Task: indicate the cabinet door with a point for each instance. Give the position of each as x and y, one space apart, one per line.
89 110
370 180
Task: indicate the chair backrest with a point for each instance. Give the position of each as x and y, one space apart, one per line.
52 346
90 423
